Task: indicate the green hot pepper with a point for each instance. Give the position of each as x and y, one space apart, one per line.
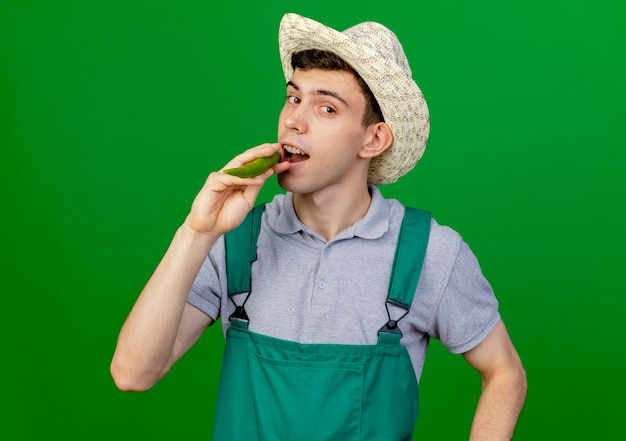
254 168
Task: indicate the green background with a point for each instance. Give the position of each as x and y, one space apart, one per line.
112 114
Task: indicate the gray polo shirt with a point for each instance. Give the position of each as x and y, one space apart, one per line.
310 290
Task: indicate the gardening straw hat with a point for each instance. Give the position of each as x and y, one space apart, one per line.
376 54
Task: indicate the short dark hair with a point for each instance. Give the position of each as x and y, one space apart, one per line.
324 60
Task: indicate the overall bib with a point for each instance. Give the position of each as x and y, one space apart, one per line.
273 390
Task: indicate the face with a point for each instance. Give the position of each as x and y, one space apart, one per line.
321 132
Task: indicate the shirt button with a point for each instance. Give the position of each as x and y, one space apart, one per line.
322 284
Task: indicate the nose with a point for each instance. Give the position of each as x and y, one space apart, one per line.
293 119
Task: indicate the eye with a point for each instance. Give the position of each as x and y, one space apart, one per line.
328 109
293 99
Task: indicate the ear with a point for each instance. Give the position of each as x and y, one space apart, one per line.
379 138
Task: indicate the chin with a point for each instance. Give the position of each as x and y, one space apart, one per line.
288 184
285 183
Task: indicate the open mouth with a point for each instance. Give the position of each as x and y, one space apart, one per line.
293 154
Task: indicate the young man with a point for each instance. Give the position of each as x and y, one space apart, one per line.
321 345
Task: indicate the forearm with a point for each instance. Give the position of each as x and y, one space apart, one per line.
146 342
499 406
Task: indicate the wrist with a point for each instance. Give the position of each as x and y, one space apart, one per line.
200 241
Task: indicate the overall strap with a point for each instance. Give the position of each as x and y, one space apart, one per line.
240 246
409 258
407 266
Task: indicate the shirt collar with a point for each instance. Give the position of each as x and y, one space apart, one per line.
373 225
287 222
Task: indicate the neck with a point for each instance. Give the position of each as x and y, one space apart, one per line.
330 212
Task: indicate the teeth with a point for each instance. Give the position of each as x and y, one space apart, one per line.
293 150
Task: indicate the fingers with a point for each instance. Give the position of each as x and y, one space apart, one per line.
281 167
225 199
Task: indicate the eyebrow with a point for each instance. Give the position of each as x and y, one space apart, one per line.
322 92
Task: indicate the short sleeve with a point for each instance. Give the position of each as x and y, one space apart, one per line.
205 292
468 310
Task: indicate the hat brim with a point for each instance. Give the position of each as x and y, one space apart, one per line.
401 101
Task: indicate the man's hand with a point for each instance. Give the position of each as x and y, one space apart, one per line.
224 200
